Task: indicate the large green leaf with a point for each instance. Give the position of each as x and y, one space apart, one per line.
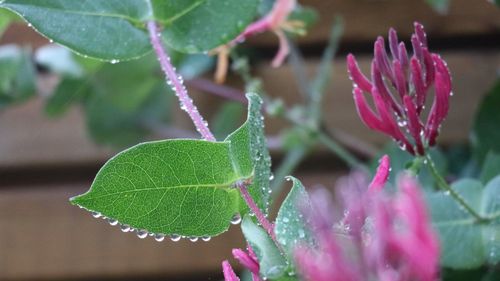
272 263
290 227
115 29
178 187
465 243
172 187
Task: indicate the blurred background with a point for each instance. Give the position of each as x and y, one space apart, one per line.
53 140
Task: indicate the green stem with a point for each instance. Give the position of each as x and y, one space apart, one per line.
447 188
340 151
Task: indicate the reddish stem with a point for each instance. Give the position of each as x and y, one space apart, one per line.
174 80
269 227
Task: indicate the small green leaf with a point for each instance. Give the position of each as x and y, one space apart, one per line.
272 263
491 167
228 118
290 227
465 243
115 30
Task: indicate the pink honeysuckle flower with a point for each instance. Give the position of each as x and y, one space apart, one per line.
275 21
249 261
389 238
382 174
228 272
399 89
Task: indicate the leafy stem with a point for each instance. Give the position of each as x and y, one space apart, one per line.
175 81
454 194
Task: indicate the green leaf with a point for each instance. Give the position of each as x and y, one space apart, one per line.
227 119
172 187
440 6
485 133
115 29
466 244
258 149
290 226
249 149
6 17
207 25
491 167
272 263
68 92
17 75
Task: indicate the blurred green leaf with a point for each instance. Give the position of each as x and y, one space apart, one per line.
440 6
465 243
485 133
68 92
272 264
290 226
491 167
6 18
227 119
17 75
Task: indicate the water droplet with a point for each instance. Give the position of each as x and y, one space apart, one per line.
112 222
114 61
159 237
193 238
236 219
271 177
206 238
142 233
96 215
175 237
302 234
285 220
125 228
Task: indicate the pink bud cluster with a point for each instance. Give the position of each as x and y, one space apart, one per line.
379 238
247 259
400 115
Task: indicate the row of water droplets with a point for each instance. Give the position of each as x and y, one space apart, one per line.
142 233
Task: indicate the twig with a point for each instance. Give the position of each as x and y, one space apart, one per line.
218 90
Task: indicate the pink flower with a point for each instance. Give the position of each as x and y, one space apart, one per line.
380 237
399 90
247 259
275 21
228 272
382 174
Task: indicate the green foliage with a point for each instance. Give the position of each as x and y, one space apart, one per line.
115 29
6 18
272 263
290 226
485 133
466 243
181 187
17 75
440 6
227 119
491 167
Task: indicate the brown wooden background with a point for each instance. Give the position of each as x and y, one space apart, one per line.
44 161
